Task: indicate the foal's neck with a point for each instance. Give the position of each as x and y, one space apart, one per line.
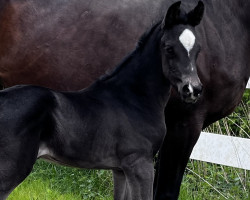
140 76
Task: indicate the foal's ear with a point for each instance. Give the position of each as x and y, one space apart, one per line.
195 15
172 15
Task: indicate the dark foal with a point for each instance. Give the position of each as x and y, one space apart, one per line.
117 123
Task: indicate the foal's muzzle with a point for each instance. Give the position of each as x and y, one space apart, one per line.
190 93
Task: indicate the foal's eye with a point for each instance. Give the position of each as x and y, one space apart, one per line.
169 51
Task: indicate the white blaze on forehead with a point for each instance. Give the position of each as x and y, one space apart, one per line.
187 39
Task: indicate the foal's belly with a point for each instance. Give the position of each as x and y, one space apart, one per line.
97 136
105 152
83 159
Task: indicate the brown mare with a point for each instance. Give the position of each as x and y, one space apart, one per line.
65 45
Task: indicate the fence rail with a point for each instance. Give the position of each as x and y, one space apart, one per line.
222 149
248 84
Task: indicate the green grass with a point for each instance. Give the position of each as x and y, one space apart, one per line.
202 181
52 182
206 181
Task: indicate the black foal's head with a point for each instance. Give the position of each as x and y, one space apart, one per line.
180 49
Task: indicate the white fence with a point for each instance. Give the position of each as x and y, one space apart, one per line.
222 149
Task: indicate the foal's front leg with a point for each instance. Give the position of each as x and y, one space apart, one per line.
139 179
119 185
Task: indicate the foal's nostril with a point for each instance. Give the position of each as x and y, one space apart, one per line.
186 90
198 91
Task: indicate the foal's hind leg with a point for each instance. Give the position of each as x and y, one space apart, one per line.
17 157
139 178
4 196
14 169
119 185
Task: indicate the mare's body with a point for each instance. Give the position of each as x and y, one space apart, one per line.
66 45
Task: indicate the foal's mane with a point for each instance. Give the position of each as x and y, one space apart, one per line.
139 47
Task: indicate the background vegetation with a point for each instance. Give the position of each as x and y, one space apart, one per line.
202 181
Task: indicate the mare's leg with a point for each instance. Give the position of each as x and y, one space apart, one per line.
139 177
182 134
119 185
